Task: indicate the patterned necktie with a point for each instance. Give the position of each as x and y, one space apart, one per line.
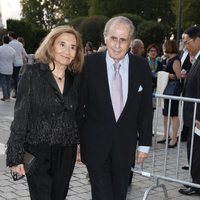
116 91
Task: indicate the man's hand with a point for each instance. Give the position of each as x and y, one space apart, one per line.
198 124
141 156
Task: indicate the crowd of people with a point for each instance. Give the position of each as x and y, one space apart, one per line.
98 99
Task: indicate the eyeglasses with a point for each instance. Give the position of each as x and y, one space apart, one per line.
187 42
16 176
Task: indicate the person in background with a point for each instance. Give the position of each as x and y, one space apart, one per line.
173 67
89 48
185 68
115 108
137 47
45 115
25 56
154 64
7 56
18 63
191 41
102 47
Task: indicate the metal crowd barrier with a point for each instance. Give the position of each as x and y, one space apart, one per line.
171 171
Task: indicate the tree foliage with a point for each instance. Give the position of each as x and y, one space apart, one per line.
22 29
32 12
149 10
77 22
92 28
190 10
136 19
48 13
74 8
151 32
32 36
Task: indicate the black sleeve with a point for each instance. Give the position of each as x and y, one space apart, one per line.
15 144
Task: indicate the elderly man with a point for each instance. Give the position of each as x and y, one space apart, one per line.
115 108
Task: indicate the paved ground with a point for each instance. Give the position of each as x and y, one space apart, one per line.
79 185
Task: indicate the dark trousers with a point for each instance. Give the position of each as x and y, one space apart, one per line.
50 180
184 133
195 166
5 81
15 77
109 181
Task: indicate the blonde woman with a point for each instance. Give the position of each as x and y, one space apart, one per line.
44 120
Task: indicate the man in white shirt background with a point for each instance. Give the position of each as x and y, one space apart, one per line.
7 56
18 63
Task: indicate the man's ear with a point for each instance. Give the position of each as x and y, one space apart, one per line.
105 40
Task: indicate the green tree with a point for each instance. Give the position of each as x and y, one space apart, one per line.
22 29
190 10
48 13
136 19
43 14
38 35
31 35
151 32
92 28
75 8
112 7
32 12
76 22
149 10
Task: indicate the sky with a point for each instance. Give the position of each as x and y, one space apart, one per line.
10 9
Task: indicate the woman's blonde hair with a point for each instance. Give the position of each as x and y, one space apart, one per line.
45 55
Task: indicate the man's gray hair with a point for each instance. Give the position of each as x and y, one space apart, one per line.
119 19
136 43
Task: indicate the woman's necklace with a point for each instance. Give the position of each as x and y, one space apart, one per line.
58 77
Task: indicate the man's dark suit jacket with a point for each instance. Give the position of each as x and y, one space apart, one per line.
192 89
98 128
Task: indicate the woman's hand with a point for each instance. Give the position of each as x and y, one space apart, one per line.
78 155
19 169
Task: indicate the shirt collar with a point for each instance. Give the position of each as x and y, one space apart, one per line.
124 62
197 55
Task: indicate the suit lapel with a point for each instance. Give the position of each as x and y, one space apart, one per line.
102 78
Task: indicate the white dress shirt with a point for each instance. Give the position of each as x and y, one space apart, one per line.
184 56
7 56
18 47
